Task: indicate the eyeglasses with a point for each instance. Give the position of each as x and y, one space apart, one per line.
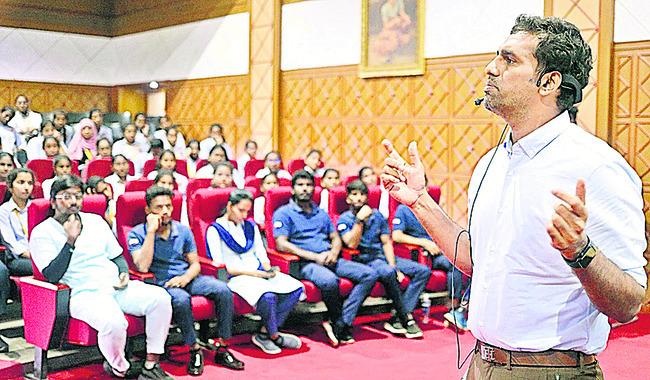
69 196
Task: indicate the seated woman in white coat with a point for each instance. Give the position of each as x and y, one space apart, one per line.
236 242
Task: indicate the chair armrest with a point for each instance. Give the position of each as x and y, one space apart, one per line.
411 252
45 311
209 268
348 253
147 277
287 262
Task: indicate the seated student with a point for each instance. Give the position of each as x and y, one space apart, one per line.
13 220
60 121
6 165
36 145
313 162
217 156
407 229
237 243
79 250
192 157
366 229
250 153
165 178
103 131
83 146
305 230
173 140
167 161
120 175
144 129
331 178
25 121
104 148
165 124
222 178
97 185
368 176
167 249
270 181
12 141
51 147
272 162
132 149
216 137
62 166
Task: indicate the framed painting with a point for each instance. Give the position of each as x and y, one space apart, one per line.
392 38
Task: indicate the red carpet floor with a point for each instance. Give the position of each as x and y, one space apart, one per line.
377 355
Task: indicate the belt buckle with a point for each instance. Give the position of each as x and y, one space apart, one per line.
487 353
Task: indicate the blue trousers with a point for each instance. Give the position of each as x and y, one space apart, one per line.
275 308
441 262
327 281
215 290
388 278
418 275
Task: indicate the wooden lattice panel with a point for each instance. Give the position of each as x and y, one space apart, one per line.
196 104
347 117
46 97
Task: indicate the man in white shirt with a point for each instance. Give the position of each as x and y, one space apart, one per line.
79 250
25 121
10 138
273 164
556 219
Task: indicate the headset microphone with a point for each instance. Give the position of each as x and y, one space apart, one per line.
478 101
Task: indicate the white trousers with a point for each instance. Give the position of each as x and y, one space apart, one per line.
104 311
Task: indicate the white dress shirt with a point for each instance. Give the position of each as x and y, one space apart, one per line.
206 145
13 221
207 171
26 124
266 171
524 296
11 139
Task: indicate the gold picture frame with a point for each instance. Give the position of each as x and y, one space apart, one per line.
392 38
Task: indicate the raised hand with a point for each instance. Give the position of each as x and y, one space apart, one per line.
404 181
567 225
153 222
72 227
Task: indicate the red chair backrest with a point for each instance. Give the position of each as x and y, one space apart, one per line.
103 167
255 183
216 200
201 163
299 163
150 165
141 184
3 190
276 198
130 212
433 190
193 186
37 192
337 204
43 168
39 209
349 179
252 167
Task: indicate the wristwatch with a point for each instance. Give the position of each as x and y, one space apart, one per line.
584 257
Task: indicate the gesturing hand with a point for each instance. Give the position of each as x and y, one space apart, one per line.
72 227
153 222
405 182
567 225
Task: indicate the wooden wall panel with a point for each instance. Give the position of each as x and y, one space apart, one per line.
46 97
630 110
347 117
196 104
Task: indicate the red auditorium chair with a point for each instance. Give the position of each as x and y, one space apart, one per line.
150 165
140 184
438 280
43 168
298 164
288 263
3 190
351 178
45 306
102 167
252 167
338 206
193 185
37 192
203 217
130 213
202 162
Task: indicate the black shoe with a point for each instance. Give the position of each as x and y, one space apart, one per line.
345 336
225 358
155 373
195 365
4 346
135 368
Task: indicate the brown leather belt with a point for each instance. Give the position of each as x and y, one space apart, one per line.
549 358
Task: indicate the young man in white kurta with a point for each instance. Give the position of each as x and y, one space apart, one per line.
99 294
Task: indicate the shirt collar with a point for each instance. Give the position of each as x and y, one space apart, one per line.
314 207
13 206
538 139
